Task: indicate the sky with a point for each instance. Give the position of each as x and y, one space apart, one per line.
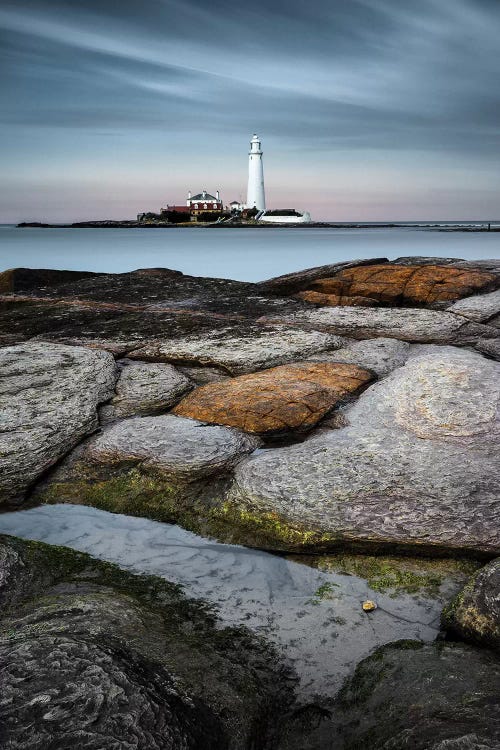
368 110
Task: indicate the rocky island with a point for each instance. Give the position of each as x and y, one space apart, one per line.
343 418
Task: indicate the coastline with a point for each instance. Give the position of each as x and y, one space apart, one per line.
436 226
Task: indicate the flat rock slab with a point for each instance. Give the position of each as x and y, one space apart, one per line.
28 279
480 307
290 397
413 325
150 289
382 355
49 395
240 349
402 284
417 465
144 388
474 615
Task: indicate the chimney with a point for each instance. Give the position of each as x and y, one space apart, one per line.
217 195
189 197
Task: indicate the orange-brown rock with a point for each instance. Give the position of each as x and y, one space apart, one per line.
287 397
394 284
334 300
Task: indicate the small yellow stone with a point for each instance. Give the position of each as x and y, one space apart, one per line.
369 606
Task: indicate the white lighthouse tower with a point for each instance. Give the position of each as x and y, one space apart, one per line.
255 194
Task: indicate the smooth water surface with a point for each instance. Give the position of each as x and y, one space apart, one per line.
314 617
244 254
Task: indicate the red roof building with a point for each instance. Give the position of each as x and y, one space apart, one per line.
201 203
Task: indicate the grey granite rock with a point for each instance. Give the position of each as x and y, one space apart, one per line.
382 355
204 375
49 395
171 445
144 388
406 324
240 350
480 307
416 466
475 613
490 347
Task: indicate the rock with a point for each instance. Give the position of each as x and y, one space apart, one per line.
382 355
416 466
148 466
157 289
28 279
291 283
203 375
49 395
369 606
109 660
144 388
475 613
490 347
171 445
428 326
332 299
394 284
290 397
479 308
240 349
423 697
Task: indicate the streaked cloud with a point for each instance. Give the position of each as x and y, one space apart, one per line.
381 89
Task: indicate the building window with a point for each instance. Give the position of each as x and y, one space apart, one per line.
196 205
205 205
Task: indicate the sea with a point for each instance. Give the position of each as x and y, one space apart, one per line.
244 254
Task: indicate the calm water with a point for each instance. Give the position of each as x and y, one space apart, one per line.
314 617
243 254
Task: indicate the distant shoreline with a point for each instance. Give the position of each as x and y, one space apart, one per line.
437 226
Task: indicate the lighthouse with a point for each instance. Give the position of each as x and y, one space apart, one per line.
255 194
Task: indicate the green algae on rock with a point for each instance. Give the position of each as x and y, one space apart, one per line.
474 614
397 575
149 466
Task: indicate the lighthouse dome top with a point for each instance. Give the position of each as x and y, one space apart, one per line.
255 147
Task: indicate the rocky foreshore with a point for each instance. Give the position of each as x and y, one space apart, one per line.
352 407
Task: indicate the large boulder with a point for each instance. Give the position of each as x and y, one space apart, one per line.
149 466
96 658
401 284
432 697
144 388
49 395
415 466
239 349
413 325
290 397
475 613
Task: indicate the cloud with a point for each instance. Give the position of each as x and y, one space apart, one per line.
329 79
